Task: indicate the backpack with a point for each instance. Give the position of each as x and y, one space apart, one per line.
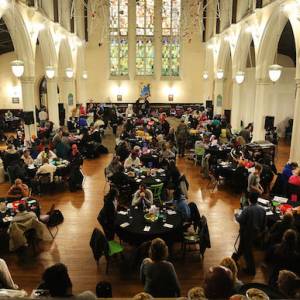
55 218
103 290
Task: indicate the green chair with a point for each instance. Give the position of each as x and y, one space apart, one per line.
102 247
157 191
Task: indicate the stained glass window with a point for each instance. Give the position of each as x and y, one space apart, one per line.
144 37
118 37
171 14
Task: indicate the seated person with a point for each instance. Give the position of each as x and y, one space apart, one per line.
166 153
278 229
46 168
11 156
142 197
289 284
82 123
113 167
71 124
218 283
133 159
181 205
295 178
57 137
107 214
56 280
157 274
28 160
23 215
47 153
288 169
18 190
6 281
122 150
119 178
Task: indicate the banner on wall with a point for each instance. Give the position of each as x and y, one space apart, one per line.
70 99
219 101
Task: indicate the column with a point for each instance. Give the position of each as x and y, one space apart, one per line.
260 109
27 84
52 96
81 90
218 96
68 96
235 106
294 152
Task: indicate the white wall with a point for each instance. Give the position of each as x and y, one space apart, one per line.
280 101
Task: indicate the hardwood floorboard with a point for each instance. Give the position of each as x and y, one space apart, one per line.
80 209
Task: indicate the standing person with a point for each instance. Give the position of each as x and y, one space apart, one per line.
254 180
181 135
43 116
157 274
76 177
252 222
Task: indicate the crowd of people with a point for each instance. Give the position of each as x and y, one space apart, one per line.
142 133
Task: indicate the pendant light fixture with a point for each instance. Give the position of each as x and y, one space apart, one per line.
240 77
17 67
220 74
69 72
85 75
50 72
205 75
275 72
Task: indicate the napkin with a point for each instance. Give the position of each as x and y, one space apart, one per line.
280 199
124 225
168 225
157 180
122 212
269 213
147 228
171 212
263 201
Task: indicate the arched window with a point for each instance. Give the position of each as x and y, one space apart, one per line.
171 15
118 28
144 37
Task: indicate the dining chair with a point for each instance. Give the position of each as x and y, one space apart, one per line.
102 247
157 191
45 220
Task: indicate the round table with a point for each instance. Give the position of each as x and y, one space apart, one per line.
134 233
148 180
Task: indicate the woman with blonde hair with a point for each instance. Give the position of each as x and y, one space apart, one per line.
230 264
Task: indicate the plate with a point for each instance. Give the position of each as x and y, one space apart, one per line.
150 217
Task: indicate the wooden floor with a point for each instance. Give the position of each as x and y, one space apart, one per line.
80 209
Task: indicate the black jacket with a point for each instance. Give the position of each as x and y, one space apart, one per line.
98 244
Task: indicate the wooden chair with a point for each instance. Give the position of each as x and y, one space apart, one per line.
102 247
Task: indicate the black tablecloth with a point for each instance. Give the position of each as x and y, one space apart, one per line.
31 205
150 160
135 234
149 180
